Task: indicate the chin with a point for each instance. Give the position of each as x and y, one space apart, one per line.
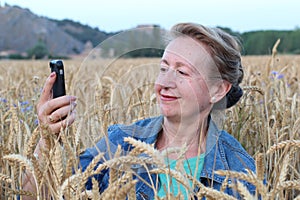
169 112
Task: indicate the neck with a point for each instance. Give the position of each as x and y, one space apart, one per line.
191 134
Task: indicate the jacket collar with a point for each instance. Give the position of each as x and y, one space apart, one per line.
213 155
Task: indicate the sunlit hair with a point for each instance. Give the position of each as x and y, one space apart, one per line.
225 52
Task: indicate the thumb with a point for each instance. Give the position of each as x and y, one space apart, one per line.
47 89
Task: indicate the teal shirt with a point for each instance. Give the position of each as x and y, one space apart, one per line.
171 185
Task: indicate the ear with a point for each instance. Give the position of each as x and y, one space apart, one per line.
220 90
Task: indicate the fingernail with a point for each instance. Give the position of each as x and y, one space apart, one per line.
73 98
52 74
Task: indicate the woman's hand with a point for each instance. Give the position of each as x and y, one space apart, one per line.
55 113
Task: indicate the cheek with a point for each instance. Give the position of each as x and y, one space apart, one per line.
157 88
199 91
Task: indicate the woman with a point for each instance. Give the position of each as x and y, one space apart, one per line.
200 71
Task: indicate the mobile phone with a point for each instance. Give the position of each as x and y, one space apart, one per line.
59 88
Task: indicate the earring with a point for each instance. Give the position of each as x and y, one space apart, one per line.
213 99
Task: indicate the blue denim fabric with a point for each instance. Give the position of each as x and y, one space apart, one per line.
223 152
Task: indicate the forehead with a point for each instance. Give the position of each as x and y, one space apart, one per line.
187 50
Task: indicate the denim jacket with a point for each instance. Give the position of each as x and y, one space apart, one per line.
223 152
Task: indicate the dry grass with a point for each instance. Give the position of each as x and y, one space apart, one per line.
266 122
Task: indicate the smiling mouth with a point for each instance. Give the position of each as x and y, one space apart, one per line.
168 98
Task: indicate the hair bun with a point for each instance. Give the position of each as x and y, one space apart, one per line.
233 96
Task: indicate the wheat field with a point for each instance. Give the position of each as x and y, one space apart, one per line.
266 122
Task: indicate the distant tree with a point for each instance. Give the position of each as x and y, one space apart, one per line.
39 51
292 42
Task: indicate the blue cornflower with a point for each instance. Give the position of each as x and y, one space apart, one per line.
280 76
277 75
3 100
22 103
36 122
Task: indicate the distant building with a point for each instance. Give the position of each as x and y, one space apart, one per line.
147 26
7 53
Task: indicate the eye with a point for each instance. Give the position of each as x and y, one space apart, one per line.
183 73
163 68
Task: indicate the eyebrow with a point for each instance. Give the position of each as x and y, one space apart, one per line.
180 64
177 64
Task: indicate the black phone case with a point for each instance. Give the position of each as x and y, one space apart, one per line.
59 89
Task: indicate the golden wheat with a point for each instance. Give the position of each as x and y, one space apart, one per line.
266 121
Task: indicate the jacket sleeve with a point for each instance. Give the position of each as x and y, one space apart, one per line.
239 160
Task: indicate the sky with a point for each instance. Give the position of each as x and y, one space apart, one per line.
117 15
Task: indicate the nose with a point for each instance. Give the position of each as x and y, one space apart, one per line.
167 79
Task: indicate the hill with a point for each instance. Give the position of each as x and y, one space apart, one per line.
21 30
83 33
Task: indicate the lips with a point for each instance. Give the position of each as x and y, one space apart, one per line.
165 97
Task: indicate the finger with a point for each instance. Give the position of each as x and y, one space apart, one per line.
47 89
56 127
62 112
57 103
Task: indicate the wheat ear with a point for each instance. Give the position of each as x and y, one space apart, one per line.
113 172
173 173
146 148
211 193
5 178
122 193
71 182
23 161
95 190
260 166
289 185
57 163
254 88
31 144
250 177
281 145
11 191
243 191
89 171
124 160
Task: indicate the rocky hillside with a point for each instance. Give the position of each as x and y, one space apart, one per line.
21 30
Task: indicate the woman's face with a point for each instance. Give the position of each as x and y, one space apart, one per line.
182 87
